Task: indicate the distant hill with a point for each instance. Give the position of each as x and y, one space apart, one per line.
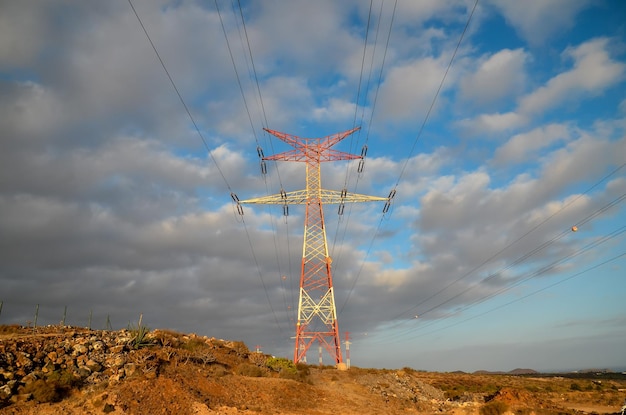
517 371
523 372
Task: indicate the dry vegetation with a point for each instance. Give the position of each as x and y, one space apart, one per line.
60 370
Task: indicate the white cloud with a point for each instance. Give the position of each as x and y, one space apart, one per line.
522 145
335 110
496 77
408 90
593 72
490 124
537 20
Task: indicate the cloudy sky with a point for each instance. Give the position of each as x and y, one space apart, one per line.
115 186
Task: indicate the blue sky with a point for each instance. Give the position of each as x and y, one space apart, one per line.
110 203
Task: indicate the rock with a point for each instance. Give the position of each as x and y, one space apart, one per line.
23 361
129 369
5 392
79 349
31 377
96 378
48 367
83 372
93 365
97 346
115 361
22 397
6 374
117 349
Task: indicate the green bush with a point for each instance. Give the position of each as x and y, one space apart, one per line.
280 364
493 408
575 387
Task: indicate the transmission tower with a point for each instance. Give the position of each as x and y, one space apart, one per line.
317 314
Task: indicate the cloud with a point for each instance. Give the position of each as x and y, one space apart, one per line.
523 145
496 77
23 29
336 109
593 72
537 20
490 124
408 89
464 219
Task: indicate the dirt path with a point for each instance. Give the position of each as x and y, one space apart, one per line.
592 409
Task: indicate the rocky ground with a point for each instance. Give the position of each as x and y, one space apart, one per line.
64 370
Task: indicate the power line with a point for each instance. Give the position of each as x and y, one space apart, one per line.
206 145
393 191
364 150
615 258
180 97
263 169
432 104
538 272
232 58
519 260
545 269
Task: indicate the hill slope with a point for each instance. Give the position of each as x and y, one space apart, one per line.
61 370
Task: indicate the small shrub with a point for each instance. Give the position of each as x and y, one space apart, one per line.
493 408
303 369
167 338
140 338
575 387
241 349
140 335
9 329
219 371
63 379
246 369
258 359
43 391
194 344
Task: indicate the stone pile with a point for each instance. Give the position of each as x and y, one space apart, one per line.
72 356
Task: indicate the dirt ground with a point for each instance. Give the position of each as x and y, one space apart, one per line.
236 381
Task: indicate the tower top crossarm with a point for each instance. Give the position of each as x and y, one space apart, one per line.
317 149
300 197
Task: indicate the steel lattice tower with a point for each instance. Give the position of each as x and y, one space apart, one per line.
317 314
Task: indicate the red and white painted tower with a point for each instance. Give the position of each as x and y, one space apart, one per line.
317 314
